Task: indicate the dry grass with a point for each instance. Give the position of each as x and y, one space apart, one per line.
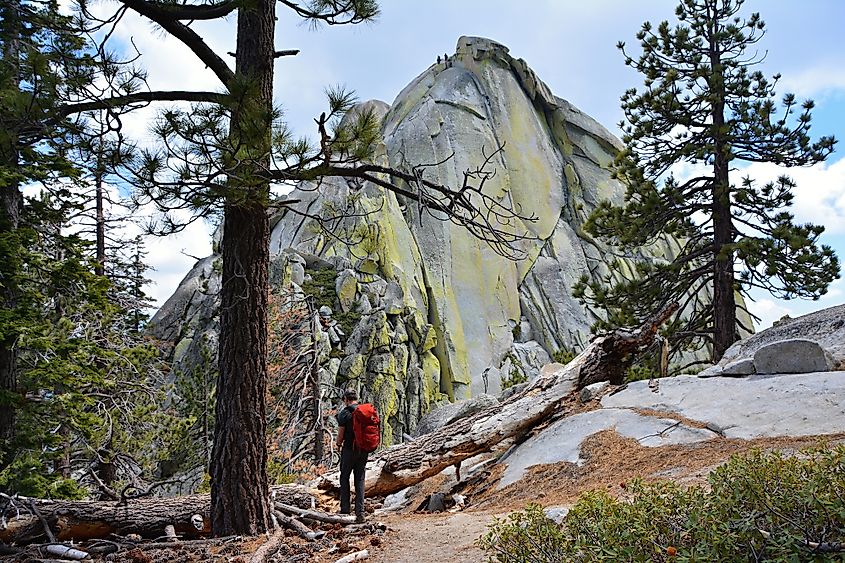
610 460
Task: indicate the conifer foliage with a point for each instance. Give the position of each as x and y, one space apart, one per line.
705 105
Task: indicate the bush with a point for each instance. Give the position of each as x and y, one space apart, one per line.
759 507
564 356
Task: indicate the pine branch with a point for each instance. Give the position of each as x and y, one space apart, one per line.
196 12
192 40
140 97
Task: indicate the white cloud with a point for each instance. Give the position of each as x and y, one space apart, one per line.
769 310
815 81
819 193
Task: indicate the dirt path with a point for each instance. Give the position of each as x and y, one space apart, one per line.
433 538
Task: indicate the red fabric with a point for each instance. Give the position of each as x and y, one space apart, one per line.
365 425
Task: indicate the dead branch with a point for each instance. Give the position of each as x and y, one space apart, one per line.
292 523
314 514
357 556
269 547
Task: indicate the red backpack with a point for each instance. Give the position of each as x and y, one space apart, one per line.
365 426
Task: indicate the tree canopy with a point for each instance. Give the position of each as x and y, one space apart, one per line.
704 104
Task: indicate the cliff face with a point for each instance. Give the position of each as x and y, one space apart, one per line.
435 313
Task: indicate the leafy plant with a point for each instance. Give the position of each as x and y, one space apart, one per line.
763 506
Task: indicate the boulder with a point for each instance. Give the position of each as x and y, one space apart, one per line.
826 327
737 368
346 287
592 391
556 514
796 355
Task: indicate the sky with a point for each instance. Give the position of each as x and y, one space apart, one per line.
570 44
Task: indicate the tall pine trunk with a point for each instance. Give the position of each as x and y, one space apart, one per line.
239 488
724 300
11 203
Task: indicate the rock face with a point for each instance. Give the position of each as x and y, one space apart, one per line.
562 440
687 409
432 314
447 414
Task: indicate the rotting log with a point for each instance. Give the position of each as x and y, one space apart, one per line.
147 517
604 359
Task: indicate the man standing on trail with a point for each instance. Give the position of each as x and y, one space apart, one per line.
352 460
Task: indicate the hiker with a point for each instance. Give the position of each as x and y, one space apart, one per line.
355 448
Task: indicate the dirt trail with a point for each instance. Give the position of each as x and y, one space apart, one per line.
433 538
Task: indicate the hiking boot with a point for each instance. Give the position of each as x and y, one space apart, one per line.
359 518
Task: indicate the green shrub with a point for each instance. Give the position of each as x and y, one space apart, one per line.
760 507
563 356
638 372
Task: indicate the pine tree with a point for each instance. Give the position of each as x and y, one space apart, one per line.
704 104
91 386
221 157
42 64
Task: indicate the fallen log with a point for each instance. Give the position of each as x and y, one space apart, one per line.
605 359
314 514
610 355
148 517
292 523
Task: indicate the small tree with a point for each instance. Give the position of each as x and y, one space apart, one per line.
703 104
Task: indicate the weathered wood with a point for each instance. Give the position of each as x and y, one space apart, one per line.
357 556
314 514
292 523
610 355
147 517
406 464
269 547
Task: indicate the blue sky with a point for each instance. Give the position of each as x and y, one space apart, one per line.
571 46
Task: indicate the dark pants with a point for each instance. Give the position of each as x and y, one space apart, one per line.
352 463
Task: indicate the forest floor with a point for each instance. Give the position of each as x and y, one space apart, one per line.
408 536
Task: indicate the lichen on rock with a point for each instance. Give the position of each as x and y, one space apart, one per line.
429 311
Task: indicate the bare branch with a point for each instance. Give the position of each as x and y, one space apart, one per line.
140 97
155 12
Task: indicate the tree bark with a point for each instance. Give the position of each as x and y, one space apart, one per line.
407 464
11 203
724 300
147 517
99 196
82 520
239 490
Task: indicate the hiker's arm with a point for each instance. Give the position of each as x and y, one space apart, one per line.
340 432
